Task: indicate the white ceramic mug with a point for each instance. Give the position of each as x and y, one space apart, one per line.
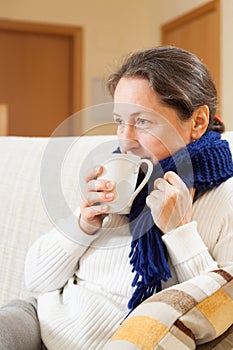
123 170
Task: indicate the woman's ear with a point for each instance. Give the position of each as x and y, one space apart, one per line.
200 122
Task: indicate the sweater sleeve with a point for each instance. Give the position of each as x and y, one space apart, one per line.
193 312
53 258
188 253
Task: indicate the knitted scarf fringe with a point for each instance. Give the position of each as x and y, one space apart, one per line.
203 164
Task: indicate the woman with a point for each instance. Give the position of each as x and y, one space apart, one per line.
180 227
177 87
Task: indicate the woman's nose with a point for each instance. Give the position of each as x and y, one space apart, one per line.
129 131
128 138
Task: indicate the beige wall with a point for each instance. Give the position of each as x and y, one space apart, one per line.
227 62
113 28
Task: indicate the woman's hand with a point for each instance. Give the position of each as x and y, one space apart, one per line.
93 208
170 202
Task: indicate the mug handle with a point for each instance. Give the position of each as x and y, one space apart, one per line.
146 178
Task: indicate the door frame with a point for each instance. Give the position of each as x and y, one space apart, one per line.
189 16
75 34
212 6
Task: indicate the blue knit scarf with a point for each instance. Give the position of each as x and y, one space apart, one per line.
203 164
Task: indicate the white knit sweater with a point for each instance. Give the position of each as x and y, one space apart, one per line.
84 282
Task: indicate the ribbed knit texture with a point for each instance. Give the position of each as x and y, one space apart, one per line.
203 164
85 315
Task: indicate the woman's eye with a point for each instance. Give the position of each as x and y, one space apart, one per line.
142 122
118 121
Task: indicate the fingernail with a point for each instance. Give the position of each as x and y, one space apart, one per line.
109 195
109 185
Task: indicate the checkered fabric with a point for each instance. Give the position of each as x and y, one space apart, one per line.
181 316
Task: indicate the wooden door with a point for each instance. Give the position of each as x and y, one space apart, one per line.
199 31
40 82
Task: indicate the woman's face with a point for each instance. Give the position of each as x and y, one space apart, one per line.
146 127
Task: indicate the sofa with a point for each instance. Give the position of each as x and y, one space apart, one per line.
39 182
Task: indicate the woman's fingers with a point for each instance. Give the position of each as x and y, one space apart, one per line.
170 202
93 205
100 185
93 173
91 218
93 211
173 179
96 197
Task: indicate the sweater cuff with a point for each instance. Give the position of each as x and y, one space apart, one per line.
184 243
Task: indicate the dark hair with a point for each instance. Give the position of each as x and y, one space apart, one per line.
177 76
